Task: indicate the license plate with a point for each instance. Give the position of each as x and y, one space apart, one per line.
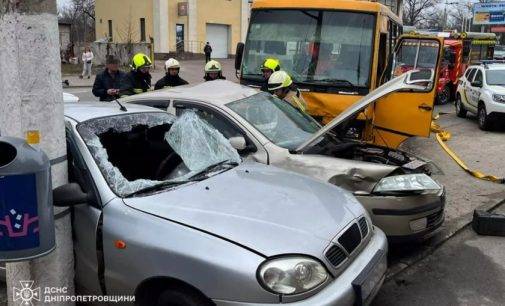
369 278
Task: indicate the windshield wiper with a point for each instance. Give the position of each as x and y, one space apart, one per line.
156 187
214 166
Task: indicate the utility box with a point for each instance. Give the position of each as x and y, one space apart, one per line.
26 208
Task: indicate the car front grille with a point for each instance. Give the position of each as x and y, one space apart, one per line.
350 239
363 226
434 218
347 242
335 255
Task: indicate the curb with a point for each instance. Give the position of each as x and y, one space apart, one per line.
450 229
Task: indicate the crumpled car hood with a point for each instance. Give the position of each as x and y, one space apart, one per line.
263 208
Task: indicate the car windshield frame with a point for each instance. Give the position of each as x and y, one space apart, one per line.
294 129
335 32
502 77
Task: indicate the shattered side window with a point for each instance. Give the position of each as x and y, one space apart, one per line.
198 143
138 151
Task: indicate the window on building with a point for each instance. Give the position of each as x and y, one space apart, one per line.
110 30
142 29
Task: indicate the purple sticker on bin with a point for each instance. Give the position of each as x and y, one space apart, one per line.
19 220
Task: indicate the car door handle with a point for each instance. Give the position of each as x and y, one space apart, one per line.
425 107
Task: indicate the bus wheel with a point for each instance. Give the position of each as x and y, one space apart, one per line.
444 96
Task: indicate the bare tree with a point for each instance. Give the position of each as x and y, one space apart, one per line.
460 14
81 15
417 12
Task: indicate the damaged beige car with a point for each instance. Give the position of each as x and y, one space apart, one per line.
394 186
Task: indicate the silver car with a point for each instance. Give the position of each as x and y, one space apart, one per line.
394 186
165 209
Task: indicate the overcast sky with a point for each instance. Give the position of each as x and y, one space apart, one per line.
62 2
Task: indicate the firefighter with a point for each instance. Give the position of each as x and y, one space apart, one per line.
171 78
138 80
269 66
213 71
281 85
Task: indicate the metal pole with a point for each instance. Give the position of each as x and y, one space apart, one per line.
31 99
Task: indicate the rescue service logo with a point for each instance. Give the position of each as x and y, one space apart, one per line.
26 294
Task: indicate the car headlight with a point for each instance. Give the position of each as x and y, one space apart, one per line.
499 98
291 275
405 183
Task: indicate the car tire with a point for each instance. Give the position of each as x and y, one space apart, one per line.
444 96
460 108
483 118
182 297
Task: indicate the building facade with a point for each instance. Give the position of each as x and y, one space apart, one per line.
175 25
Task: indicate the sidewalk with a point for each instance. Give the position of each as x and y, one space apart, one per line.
191 70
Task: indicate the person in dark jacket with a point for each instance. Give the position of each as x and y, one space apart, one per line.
213 71
107 83
138 80
208 51
171 78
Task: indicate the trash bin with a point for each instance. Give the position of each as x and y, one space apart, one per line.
26 208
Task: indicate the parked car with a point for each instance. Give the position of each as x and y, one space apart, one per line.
394 186
499 52
481 91
70 98
166 209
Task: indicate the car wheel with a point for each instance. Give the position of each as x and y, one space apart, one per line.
483 118
444 96
460 109
182 297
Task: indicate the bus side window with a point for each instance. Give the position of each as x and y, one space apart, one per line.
383 58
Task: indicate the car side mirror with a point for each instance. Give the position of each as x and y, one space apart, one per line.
238 55
69 195
477 84
238 143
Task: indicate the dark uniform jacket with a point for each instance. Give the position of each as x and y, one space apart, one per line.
104 81
169 81
134 83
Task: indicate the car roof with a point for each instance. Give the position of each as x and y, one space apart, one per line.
217 92
489 66
82 111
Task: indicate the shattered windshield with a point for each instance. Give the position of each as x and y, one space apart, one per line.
143 150
279 121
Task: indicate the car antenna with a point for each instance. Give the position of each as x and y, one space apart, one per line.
121 106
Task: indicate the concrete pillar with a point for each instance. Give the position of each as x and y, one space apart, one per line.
161 26
31 99
194 45
245 15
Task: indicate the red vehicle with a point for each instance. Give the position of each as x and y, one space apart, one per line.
461 50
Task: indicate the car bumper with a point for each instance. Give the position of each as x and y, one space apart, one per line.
495 108
406 218
340 291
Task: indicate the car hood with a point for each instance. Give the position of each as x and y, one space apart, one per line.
398 83
498 89
263 208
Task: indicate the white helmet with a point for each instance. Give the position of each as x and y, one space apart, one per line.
172 63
